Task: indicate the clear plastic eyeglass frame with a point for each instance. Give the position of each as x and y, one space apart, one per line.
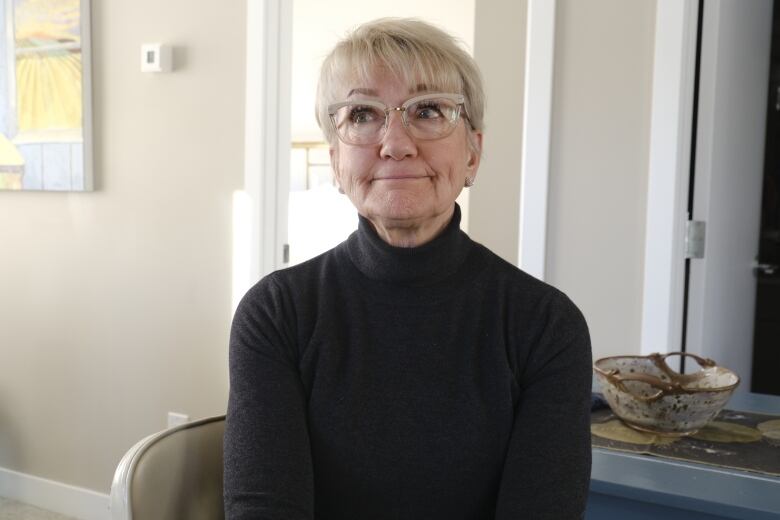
458 99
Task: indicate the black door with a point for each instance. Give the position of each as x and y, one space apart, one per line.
766 343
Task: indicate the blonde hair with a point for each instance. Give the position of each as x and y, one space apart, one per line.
416 52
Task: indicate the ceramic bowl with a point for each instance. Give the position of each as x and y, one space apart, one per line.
648 395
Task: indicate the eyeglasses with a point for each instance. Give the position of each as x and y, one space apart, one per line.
427 117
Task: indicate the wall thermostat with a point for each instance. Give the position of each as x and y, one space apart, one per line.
156 57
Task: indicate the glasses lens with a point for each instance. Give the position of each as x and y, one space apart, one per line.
432 118
359 124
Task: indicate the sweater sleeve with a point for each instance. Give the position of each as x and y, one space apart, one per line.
267 454
547 467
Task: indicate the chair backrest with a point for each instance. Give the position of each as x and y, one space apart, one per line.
176 473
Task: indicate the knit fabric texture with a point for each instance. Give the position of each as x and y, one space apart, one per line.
434 382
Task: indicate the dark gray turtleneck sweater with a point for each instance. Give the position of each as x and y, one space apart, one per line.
436 382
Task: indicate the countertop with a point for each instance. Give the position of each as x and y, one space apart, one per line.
690 486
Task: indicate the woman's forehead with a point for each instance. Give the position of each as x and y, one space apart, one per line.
373 83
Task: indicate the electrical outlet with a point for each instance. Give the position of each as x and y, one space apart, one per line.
177 419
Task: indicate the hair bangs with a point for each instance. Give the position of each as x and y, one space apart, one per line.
420 55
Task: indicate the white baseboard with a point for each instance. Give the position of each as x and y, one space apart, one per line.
65 499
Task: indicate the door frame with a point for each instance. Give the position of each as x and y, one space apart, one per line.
266 135
716 327
674 70
536 132
668 186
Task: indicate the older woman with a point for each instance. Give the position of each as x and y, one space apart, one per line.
409 372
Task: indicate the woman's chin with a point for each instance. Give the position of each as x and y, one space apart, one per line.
402 207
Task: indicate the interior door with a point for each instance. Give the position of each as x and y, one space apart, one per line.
766 343
729 156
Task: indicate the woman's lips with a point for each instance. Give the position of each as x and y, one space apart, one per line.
400 177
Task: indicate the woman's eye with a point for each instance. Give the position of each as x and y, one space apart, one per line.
428 111
360 115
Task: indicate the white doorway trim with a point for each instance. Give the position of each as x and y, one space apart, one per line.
732 105
668 176
537 115
267 131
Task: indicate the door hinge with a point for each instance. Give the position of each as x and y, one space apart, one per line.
286 253
695 231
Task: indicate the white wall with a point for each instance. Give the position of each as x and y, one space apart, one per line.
115 305
494 202
599 164
598 154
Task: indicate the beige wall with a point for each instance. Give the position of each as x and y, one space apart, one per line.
494 201
598 156
115 305
599 162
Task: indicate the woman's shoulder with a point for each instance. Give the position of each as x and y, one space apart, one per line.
506 273
522 287
299 278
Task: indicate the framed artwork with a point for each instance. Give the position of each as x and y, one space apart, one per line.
45 95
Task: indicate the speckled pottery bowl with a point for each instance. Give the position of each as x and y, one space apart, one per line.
648 395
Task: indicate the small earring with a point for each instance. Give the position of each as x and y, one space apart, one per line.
469 182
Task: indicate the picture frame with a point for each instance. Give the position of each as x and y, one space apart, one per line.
45 96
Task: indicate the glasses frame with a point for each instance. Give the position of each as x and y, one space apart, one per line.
459 100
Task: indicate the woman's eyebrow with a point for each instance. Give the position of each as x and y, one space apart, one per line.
364 91
421 87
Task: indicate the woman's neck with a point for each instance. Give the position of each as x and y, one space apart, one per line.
401 233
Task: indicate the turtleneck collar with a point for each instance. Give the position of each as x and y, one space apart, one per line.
423 265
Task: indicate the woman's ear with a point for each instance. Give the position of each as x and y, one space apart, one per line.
475 153
334 166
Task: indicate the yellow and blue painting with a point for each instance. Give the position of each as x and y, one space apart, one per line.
41 96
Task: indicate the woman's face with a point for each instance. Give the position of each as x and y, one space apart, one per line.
402 181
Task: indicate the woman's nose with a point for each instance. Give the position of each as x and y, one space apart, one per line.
397 143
